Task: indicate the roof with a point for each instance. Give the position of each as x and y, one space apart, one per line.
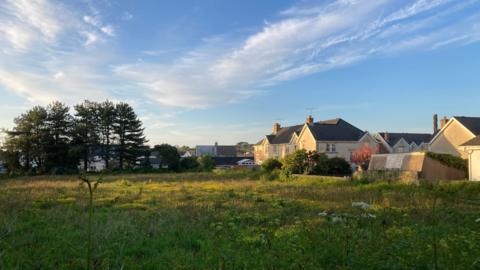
473 142
284 135
335 130
226 150
471 123
417 138
329 130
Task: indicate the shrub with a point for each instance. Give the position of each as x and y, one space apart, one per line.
450 161
296 163
189 163
206 163
271 164
339 167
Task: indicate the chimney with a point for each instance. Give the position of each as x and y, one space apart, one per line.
276 128
309 120
435 123
443 122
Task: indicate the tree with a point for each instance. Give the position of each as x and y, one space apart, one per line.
168 155
107 114
362 156
271 164
189 163
86 134
296 162
129 132
27 138
206 163
58 125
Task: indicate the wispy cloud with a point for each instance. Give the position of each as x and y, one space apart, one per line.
305 40
53 51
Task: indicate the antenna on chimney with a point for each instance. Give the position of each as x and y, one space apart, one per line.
309 110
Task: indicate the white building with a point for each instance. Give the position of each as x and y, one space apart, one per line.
472 149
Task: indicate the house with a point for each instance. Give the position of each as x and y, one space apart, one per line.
216 150
402 142
455 132
472 148
335 138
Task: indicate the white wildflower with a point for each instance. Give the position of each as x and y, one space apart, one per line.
477 220
323 214
361 205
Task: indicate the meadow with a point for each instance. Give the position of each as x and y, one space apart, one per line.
234 221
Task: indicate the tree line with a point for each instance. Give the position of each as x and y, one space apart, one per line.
51 139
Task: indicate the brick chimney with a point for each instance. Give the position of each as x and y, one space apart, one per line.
276 128
309 120
443 122
435 123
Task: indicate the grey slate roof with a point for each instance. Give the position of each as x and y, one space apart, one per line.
417 138
227 150
336 130
473 142
471 123
329 130
284 135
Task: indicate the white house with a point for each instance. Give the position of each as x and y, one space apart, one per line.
472 149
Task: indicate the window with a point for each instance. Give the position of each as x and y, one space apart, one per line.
328 147
334 148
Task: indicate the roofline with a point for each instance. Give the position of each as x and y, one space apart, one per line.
389 148
446 126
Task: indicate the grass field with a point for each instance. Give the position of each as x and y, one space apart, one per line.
223 221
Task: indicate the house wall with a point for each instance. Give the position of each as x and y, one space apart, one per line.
265 151
450 139
474 164
307 141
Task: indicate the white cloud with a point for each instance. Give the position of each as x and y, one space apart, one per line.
127 16
307 40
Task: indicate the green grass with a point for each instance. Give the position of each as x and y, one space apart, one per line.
227 221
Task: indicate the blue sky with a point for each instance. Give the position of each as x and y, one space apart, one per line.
204 71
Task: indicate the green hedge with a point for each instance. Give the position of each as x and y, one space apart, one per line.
450 160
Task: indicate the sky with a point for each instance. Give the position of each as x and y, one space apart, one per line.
205 71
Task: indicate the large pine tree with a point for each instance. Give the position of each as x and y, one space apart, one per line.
107 115
86 130
59 127
129 132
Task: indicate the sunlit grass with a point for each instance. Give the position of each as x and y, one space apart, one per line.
227 221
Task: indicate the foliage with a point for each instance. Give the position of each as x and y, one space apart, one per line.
168 155
296 162
363 155
450 160
206 163
303 162
338 167
51 140
271 164
189 163
226 221
129 131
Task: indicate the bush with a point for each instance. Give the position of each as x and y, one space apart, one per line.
206 163
338 167
296 163
189 164
450 161
271 164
